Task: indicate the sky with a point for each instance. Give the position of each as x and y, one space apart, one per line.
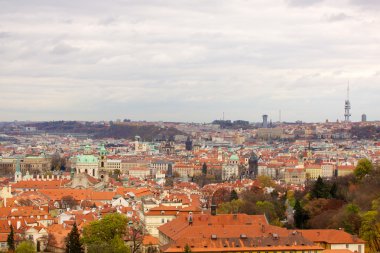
189 61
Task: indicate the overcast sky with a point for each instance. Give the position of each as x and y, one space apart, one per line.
191 60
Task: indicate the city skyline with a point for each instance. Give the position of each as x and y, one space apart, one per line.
188 61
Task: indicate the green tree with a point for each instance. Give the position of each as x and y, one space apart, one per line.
204 168
267 208
290 197
106 233
363 168
233 195
230 207
26 247
73 243
352 220
334 190
11 240
265 181
369 230
320 190
187 249
300 215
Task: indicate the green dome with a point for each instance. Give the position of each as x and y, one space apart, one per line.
86 159
234 157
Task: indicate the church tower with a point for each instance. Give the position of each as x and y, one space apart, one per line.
18 174
102 163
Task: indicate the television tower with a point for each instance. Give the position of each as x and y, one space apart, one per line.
347 105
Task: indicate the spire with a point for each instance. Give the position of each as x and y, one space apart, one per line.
18 174
18 167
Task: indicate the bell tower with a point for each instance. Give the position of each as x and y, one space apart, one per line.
18 174
102 163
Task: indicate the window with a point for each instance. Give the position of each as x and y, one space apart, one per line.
162 220
347 246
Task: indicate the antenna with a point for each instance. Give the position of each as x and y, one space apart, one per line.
347 105
279 116
223 116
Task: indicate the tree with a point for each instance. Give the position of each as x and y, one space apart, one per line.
369 230
334 190
230 207
187 249
116 173
320 190
106 234
265 181
266 208
204 168
73 243
233 195
26 247
136 237
68 201
58 162
363 168
11 240
169 182
300 215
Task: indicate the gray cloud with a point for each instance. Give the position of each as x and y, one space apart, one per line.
303 2
337 17
185 60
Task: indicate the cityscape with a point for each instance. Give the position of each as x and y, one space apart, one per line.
189 126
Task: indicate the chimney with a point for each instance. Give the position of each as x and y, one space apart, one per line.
213 209
18 224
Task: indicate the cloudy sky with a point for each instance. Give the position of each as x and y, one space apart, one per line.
192 60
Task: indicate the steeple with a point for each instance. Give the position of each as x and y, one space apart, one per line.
18 174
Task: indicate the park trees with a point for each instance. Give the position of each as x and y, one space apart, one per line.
73 243
106 234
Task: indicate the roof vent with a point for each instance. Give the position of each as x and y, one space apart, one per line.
243 236
213 237
275 236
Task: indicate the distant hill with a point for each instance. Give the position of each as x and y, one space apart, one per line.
147 132
126 131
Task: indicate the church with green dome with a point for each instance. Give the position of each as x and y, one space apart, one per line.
87 163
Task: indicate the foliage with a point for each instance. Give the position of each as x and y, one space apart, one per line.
136 238
233 195
300 216
204 169
221 195
11 240
69 201
230 207
290 197
26 247
106 233
363 168
73 243
169 182
57 162
266 208
187 249
265 181
370 231
320 190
